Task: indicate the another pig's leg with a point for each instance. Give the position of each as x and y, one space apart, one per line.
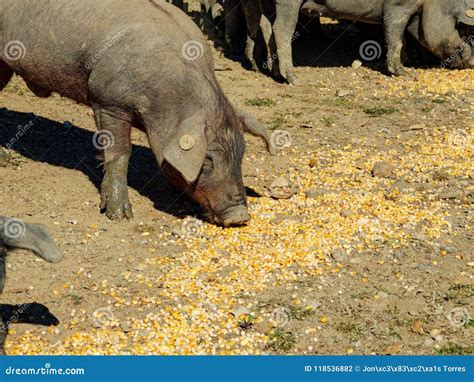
266 28
284 27
396 19
252 18
5 75
113 138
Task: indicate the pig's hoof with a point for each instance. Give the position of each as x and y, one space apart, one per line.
119 213
398 70
116 205
292 79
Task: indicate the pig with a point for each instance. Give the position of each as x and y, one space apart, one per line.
15 233
432 22
146 66
278 24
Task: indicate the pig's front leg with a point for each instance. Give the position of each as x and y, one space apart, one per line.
396 18
113 137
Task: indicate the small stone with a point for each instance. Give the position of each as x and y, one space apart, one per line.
281 188
339 255
315 192
343 93
383 170
5 157
449 195
280 182
345 213
382 294
435 333
73 221
417 327
449 249
356 64
126 327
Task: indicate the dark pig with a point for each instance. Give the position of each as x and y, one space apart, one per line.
146 66
433 22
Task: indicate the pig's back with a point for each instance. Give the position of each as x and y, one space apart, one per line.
63 40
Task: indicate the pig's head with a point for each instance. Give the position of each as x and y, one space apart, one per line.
444 25
204 160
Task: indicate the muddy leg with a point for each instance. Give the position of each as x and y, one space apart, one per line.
5 75
114 139
283 29
396 19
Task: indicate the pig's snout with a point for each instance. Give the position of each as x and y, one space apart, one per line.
236 216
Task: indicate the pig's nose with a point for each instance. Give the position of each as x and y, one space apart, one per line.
236 217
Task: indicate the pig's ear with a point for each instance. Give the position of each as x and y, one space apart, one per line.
467 14
187 149
252 126
15 233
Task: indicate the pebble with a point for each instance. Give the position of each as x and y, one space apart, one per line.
343 93
383 170
346 213
356 64
5 157
281 188
382 294
315 192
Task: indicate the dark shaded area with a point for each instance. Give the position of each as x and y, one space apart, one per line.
69 146
27 313
339 44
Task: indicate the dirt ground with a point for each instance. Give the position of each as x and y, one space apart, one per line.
371 254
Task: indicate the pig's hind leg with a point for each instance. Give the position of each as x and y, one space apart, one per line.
5 75
396 19
113 138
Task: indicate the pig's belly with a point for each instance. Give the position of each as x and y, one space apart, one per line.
368 11
68 81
